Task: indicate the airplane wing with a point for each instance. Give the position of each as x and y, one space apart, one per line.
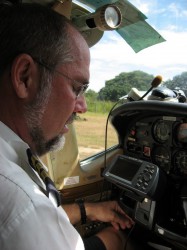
133 29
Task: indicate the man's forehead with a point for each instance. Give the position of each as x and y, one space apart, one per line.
78 44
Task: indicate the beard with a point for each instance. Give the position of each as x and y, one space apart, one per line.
33 115
43 146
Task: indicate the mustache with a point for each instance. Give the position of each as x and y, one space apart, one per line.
72 118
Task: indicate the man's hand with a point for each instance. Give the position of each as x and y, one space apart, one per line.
108 211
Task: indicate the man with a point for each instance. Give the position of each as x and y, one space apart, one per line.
44 70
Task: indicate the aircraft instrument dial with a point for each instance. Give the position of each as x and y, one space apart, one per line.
181 161
161 131
161 157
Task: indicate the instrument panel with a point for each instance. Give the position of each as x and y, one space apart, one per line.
156 132
160 140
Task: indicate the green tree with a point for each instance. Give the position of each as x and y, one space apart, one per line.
179 82
122 84
91 95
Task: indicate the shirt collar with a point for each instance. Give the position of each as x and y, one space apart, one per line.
18 152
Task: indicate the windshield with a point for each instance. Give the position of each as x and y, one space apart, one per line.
112 55
116 67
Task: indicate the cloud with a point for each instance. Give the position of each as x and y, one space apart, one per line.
144 7
156 6
112 56
177 9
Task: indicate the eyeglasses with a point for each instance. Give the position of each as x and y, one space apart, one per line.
77 87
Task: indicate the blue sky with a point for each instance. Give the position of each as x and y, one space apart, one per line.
112 55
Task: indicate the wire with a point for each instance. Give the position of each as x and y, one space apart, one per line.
106 129
105 150
128 236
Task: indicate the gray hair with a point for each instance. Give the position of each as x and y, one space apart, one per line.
40 32
44 35
35 30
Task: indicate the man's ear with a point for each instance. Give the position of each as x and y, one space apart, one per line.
23 76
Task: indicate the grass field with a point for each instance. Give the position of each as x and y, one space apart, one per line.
90 130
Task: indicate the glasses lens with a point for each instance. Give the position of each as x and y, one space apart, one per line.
82 90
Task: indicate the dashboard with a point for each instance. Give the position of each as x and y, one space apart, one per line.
161 140
154 133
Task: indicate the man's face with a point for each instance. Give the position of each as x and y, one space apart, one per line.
48 122
34 113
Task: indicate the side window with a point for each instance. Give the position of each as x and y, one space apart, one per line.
90 131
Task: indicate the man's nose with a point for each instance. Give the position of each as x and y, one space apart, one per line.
80 106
